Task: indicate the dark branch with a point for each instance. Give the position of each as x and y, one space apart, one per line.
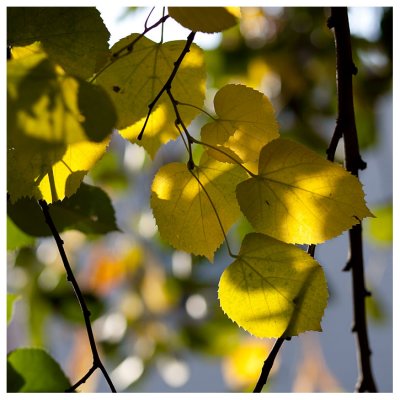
85 311
83 379
346 125
337 135
268 364
127 49
167 85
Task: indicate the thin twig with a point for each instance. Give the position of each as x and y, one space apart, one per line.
179 121
167 84
129 47
191 164
225 154
345 70
85 311
191 139
162 27
83 379
337 135
268 364
180 103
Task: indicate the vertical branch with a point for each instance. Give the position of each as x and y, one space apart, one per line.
85 311
346 127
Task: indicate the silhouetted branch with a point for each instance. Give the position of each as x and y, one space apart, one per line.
85 311
127 49
167 85
268 364
346 126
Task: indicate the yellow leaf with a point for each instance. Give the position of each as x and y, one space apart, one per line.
64 177
205 19
245 125
46 104
273 288
24 51
299 197
182 209
48 172
160 129
135 78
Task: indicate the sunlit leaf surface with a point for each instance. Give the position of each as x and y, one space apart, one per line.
135 78
299 197
46 104
273 288
182 209
205 19
246 122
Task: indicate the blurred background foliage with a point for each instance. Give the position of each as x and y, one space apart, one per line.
155 310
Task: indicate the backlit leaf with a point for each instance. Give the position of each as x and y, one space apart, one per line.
46 171
89 210
273 289
135 78
34 370
74 37
299 197
46 104
182 209
205 19
245 124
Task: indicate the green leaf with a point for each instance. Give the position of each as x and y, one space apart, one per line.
33 370
205 19
89 210
11 299
299 197
273 289
16 238
74 37
246 123
46 104
52 119
134 79
183 212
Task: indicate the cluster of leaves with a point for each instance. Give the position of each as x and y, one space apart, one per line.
67 91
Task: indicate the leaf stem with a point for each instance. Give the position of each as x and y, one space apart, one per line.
162 26
129 47
85 311
197 108
346 125
168 84
180 122
225 154
216 213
